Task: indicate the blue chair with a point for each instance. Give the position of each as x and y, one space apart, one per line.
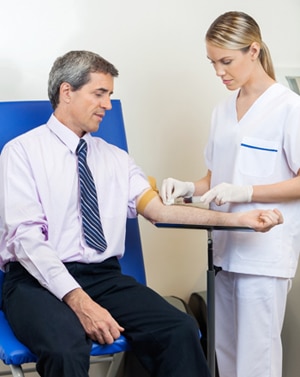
15 119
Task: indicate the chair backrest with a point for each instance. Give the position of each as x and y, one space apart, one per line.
20 116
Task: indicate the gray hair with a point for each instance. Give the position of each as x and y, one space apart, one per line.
74 68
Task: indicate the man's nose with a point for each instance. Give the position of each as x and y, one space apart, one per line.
106 103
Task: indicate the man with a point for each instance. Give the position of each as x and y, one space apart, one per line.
59 292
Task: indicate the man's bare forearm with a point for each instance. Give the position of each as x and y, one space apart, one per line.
260 220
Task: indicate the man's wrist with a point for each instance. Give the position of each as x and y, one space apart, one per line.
74 295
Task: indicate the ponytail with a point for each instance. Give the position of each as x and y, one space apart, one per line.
266 60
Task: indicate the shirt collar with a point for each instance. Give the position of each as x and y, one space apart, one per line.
67 136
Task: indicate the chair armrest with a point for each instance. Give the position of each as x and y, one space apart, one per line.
119 345
205 227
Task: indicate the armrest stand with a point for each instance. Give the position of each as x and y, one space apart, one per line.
211 348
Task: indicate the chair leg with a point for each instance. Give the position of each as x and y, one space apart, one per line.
115 365
16 370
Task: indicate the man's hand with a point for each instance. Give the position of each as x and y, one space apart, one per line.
97 322
260 220
172 189
228 193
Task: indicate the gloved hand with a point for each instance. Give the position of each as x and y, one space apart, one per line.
172 189
228 193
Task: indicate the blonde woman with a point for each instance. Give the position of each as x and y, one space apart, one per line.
253 160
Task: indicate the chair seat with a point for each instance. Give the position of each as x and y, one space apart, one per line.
14 352
11 350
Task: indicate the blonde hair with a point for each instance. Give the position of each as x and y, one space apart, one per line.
237 31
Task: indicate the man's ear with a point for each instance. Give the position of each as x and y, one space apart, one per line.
254 50
65 92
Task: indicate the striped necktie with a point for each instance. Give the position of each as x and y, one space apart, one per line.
91 222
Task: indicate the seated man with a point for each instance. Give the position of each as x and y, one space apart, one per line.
63 286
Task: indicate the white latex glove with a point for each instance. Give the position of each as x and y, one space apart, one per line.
228 193
172 188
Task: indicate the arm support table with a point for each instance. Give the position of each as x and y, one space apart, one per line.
211 352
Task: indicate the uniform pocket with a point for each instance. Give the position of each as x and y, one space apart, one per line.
258 157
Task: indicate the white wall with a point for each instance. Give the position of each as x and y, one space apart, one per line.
167 87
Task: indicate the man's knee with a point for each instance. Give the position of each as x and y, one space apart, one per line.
64 360
186 330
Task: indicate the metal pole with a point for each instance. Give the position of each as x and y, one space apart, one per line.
211 353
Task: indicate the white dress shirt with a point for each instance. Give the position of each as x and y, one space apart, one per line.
40 207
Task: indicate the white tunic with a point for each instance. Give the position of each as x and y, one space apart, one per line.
262 148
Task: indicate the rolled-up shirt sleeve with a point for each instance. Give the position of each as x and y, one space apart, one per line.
137 185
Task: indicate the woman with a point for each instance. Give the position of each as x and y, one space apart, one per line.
253 161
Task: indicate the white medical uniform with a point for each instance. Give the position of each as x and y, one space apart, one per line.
262 148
